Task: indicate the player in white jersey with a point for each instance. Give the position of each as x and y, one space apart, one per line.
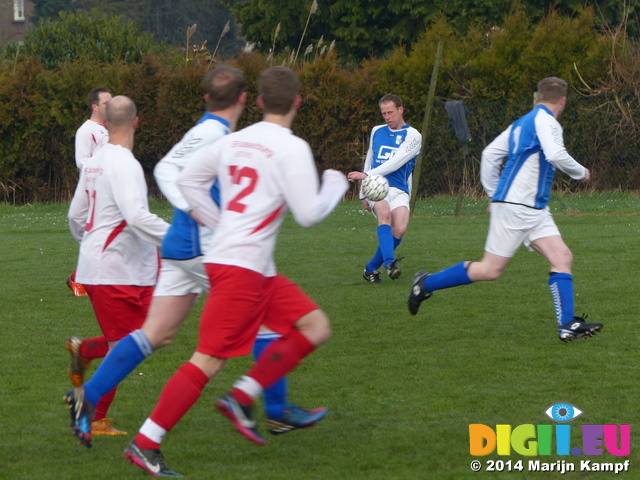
92 134
393 150
90 137
534 148
182 275
262 170
119 237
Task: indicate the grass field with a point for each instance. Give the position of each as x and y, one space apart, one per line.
401 390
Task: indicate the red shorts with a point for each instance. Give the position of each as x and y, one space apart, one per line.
239 301
120 309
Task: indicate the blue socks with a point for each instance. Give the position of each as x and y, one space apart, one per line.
377 260
119 362
561 286
447 278
275 397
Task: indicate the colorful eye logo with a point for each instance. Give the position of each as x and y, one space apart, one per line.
563 412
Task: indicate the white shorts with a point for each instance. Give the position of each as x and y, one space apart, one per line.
513 225
395 198
181 277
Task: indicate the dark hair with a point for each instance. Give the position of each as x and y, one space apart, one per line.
94 96
224 84
397 101
278 87
551 89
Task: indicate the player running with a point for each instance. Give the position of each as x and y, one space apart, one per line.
534 148
182 276
109 216
262 170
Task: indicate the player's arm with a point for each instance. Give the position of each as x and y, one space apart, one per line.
549 133
308 201
491 164
79 210
406 151
166 173
130 194
195 183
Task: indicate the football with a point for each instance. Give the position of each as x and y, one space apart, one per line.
375 187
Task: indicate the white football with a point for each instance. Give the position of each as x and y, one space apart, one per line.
375 187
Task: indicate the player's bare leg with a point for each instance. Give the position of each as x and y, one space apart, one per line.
166 316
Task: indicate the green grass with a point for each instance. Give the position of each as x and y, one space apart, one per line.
401 390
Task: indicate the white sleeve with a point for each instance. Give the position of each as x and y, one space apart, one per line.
78 210
491 164
197 139
549 133
308 203
130 194
84 145
195 183
166 172
407 150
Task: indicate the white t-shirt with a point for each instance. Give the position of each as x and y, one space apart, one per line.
109 215
262 170
90 137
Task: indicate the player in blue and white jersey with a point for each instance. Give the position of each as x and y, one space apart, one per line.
182 276
393 149
534 148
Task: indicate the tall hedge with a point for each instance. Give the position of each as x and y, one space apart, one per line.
493 70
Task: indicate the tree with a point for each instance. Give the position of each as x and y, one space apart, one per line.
363 28
87 35
166 20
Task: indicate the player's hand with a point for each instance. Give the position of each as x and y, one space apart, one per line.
353 176
365 204
587 177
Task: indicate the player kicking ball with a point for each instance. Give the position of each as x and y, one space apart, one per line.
534 149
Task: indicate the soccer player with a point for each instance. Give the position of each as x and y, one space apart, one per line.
92 134
182 275
262 170
533 148
109 216
393 150
90 137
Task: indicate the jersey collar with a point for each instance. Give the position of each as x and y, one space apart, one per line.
210 116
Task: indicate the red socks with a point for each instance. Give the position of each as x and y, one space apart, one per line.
278 359
177 397
105 402
91 348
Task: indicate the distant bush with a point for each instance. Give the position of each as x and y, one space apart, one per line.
88 36
494 71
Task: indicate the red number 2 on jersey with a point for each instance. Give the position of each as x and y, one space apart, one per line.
237 174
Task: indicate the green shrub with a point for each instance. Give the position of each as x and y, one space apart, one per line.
88 36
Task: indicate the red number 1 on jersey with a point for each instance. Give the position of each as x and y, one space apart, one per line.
92 210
